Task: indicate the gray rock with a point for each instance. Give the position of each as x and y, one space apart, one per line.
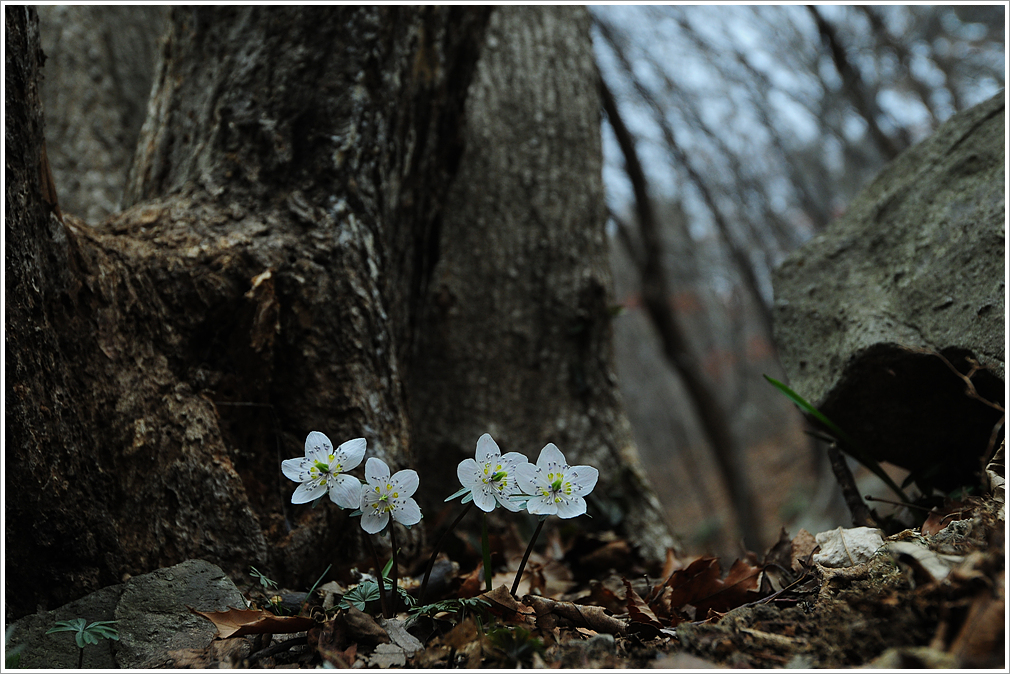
155 618
915 264
42 651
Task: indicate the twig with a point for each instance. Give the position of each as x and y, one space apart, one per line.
973 393
969 390
861 515
278 647
897 503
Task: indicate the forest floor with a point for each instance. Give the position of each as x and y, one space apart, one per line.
932 596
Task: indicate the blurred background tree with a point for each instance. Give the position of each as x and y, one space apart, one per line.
734 134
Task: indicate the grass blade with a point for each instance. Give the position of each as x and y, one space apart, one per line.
846 442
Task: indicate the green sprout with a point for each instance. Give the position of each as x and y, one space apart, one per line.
845 441
458 607
86 634
368 591
264 581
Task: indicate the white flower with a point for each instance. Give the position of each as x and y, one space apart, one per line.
384 496
320 471
556 488
491 477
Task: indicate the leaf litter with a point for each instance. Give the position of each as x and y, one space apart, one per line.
934 597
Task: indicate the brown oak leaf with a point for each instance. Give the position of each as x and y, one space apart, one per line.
237 622
638 610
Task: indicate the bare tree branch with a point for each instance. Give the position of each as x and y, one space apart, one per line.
655 294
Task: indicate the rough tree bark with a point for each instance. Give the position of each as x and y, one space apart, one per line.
516 336
288 262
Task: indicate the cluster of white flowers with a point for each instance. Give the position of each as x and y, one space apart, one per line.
323 471
550 487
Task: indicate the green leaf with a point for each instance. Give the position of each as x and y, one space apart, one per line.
845 440
75 625
457 494
521 499
320 579
105 628
359 597
264 581
811 410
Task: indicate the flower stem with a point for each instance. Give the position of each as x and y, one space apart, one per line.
485 547
522 566
378 572
434 553
393 572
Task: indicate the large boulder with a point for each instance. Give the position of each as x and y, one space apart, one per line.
915 267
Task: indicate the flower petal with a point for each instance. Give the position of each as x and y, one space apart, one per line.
376 471
317 444
513 459
506 503
308 491
406 511
370 494
345 491
374 520
542 505
573 506
350 454
405 482
468 473
528 477
296 469
486 448
550 454
583 478
483 497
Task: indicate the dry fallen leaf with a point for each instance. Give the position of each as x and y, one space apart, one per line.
638 610
591 617
607 593
847 547
236 622
472 583
978 642
699 586
803 547
504 605
939 518
361 627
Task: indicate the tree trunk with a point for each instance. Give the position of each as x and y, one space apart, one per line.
286 264
97 79
516 336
